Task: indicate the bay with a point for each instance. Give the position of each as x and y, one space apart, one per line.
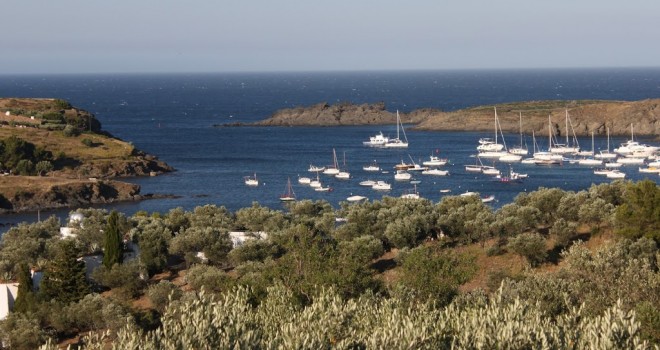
172 116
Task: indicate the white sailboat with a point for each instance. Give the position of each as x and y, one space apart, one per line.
519 150
343 175
606 154
411 194
334 168
397 142
381 186
567 148
591 161
315 183
491 149
548 157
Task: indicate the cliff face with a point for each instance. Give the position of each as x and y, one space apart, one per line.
323 114
585 116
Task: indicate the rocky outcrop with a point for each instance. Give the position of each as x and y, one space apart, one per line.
585 116
70 194
323 114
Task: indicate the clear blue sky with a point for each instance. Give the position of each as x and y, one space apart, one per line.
87 36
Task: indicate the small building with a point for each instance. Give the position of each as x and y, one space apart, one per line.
238 238
8 294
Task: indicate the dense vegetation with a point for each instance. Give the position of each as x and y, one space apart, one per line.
390 276
24 158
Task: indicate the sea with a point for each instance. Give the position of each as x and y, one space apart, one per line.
175 117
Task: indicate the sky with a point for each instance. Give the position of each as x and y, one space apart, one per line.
121 36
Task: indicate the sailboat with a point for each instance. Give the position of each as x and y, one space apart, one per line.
547 157
493 149
251 180
487 144
334 168
606 154
519 150
411 194
567 148
288 194
591 161
343 175
397 142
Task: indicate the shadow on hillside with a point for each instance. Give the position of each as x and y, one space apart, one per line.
554 255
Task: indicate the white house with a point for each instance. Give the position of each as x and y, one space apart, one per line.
238 238
8 294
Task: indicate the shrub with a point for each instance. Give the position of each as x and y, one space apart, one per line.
529 245
160 294
71 131
87 142
44 167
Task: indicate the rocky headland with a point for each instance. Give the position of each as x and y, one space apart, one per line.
62 158
585 115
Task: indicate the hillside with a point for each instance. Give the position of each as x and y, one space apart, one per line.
67 147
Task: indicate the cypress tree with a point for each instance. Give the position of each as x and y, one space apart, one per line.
113 245
26 300
64 279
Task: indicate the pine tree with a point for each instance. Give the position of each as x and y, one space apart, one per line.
64 279
26 300
113 245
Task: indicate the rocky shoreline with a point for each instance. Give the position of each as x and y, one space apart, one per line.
85 161
586 116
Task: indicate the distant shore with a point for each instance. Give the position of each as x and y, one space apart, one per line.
586 116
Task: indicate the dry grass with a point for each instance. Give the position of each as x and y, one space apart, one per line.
56 142
10 185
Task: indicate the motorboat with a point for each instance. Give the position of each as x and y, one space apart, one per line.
251 180
510 158
633 147
379 140
343 175
435 161
489 170
323 189
612 164
411 194
304 180
630 160
649 170
371 167
436 172
484 199
368 183
615 174
315 169
356 198
403 166
402 175
382 186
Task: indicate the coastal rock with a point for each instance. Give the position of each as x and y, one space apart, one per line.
324 114
48 193
585 115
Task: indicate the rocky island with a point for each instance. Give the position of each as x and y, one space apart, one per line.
586 116
54 155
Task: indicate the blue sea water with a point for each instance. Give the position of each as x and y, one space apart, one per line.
172 116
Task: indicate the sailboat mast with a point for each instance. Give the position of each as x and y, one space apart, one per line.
495 124
566 127
607 128
398 121
549 133
520 127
